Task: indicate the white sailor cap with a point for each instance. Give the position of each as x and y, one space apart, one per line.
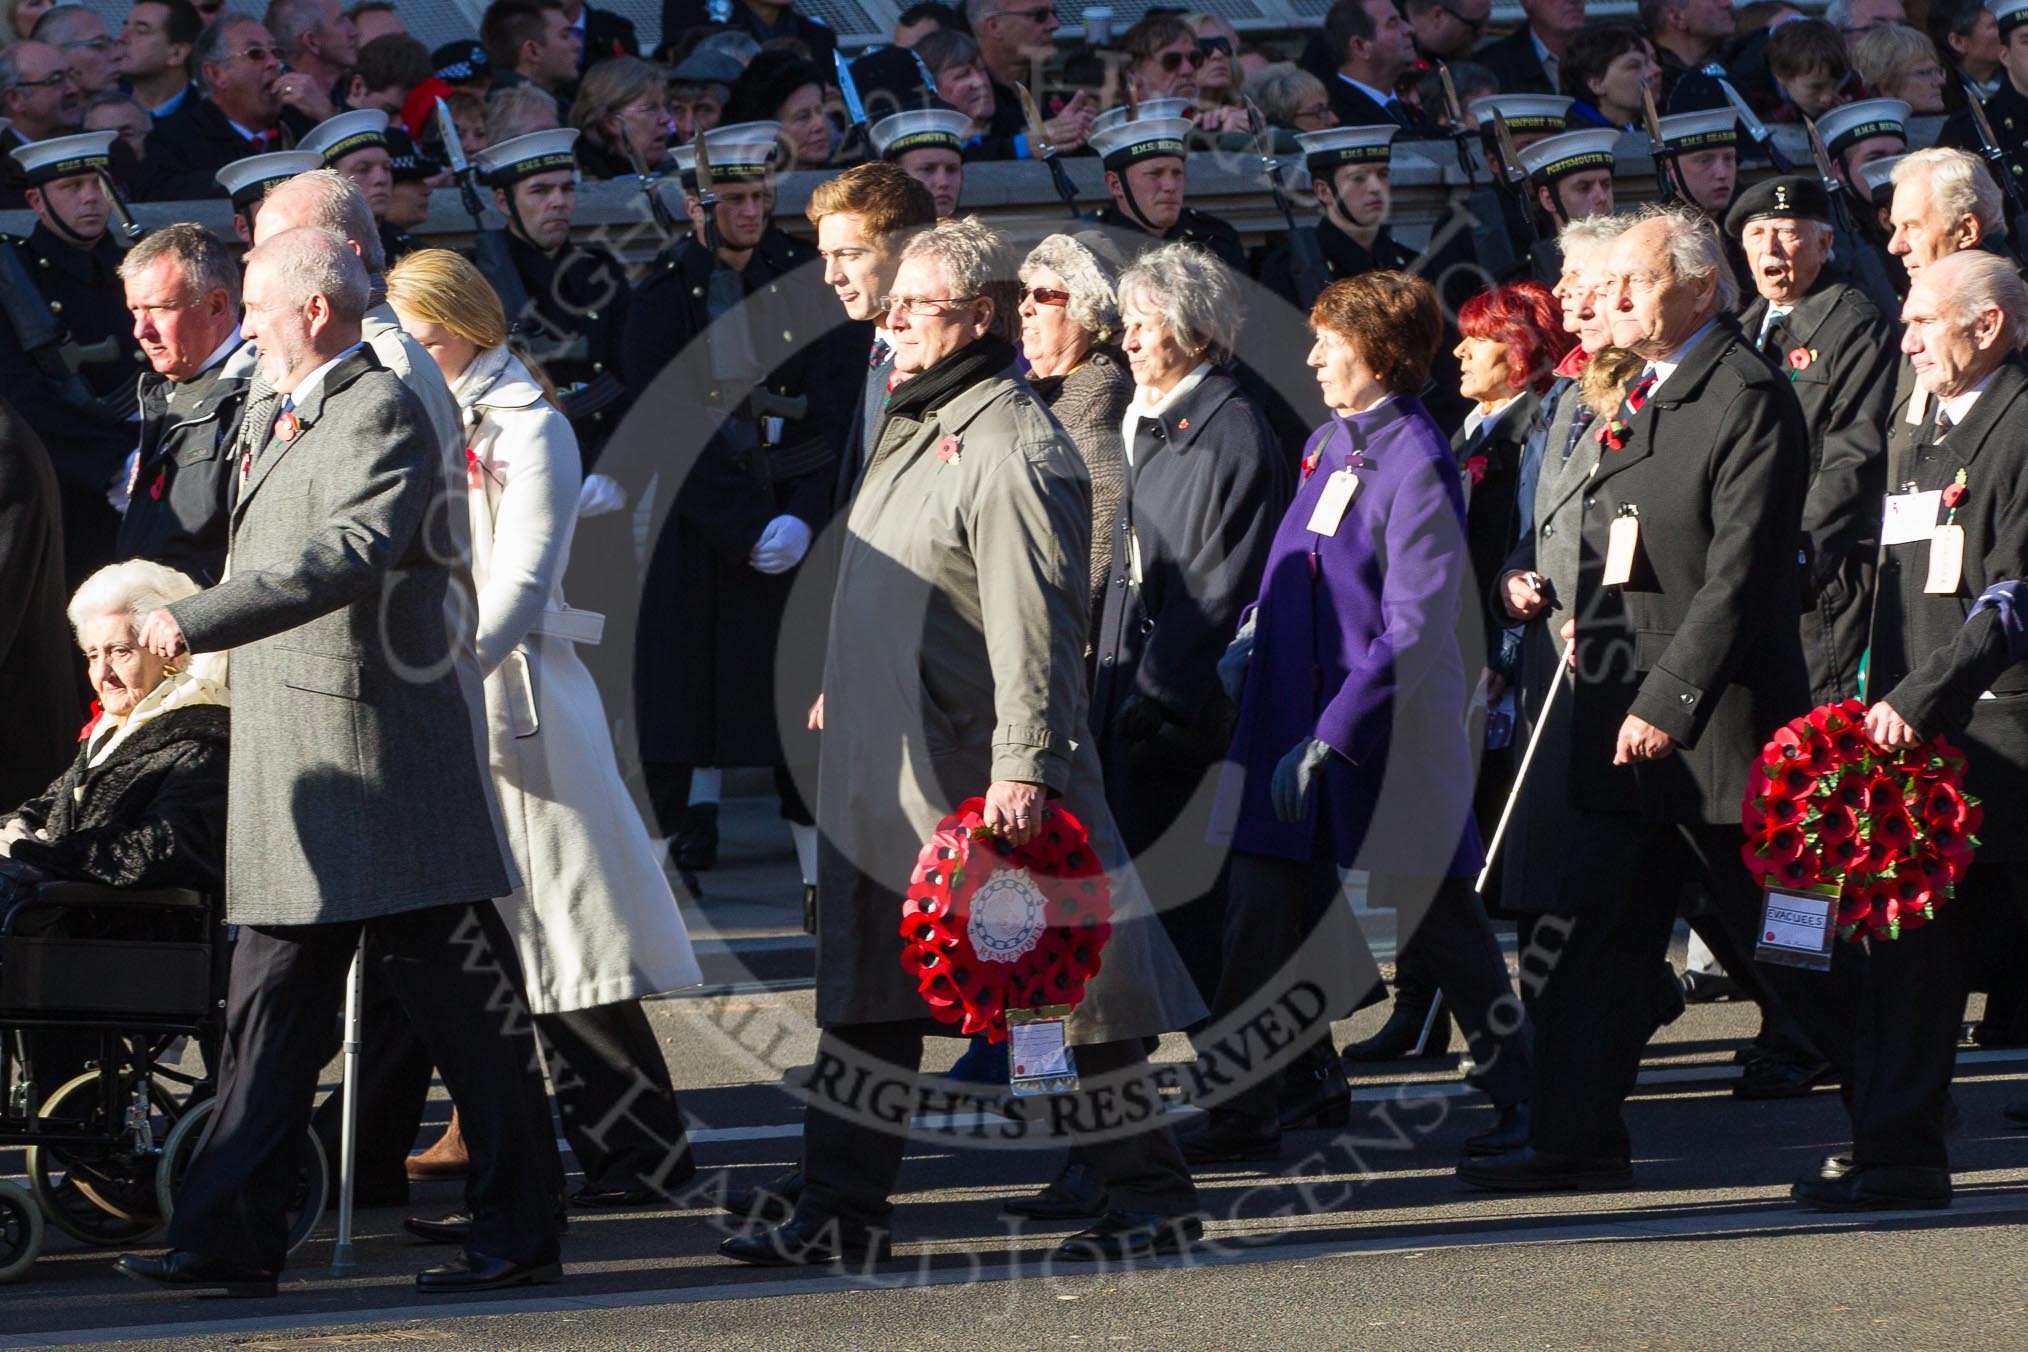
1849 123
1706 129
739 153
1144 111
248 179
65 156
1144 138
2011 14
336 137
941 128
518 157
1878 175
1554 157
1524 114
1324 151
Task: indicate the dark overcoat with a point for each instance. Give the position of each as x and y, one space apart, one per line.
1844 378
1704 641
176 509
1943 674
39 664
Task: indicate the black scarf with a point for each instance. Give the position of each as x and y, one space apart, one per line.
920 396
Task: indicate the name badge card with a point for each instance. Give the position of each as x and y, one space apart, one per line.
1331 504
1946 561
1038 1061
1910 517
1133 557
1797 927
1620 544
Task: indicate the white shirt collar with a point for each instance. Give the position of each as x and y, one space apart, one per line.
309 383
1145 405
1667 367
1959 406
1476 418
222 351
1379 96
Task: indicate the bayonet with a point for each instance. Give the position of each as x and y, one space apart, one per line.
461 168
129 227
849 89
1514 175
1461 135
2003 173
1045 150
1258 125
645 181
1668 183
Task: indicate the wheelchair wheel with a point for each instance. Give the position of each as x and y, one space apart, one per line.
313 1188
103 1194
20 1230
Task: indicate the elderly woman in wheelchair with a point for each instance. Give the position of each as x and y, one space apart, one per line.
111 935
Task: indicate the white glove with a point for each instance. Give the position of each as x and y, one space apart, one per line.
14 829
121 490
782 545
599 496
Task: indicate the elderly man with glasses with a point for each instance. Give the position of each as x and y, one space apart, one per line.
39 98
92 53
245 102
1447 30
1016 37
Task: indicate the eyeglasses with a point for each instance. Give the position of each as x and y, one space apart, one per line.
1172 61
257 54
1211 45
62 77
1042 14
101 43
1043 295
1477 25
923 307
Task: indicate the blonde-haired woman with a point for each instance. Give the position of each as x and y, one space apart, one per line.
595 923
17 19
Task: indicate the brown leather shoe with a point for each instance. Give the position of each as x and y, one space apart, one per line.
446 1158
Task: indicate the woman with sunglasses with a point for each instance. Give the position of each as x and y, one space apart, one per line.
1164 61
1220 80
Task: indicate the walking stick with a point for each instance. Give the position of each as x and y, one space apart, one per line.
348 1114
1521 772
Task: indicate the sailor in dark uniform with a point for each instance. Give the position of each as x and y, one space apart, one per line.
358 145
1145 169
1570 177
247 182
1702 149
68 361
1855 135
929 145
2007 109
1492 213
1350 176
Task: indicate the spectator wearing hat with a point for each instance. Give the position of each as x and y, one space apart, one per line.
698 89
928 144
781 87
2007 109
71 266
1145 172
464 64
1855 135
155 45
622 115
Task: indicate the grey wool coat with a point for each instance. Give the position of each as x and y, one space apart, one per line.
956 658
359 788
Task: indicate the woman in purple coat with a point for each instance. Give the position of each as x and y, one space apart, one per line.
1351 749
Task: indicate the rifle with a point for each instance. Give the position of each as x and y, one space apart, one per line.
646 181
489 247
1461 135
1046 151
129 227
1868 273
1306 255
1514 177
2017 210
55 354
1756 130
1668 178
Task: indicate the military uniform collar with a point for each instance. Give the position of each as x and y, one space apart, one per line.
89 265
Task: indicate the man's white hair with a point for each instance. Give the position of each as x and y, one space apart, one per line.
1970 283
1959 185
131 588
309 261
1695 250
975 263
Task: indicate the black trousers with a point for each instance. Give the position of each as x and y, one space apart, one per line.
856 1128
668 785
1595 1012
1911 1006
611 1084
452 969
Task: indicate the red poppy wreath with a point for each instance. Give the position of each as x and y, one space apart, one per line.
987 927
1894 831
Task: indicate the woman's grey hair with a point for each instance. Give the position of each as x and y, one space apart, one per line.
1958 184
1283 89
1194 295
310 261
609 86
946 48
518 110
975 263
131 588
1589 232
333 202
1695 250
1975 281
1092 281
207 264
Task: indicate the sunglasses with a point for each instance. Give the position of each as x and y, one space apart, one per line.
1044 14
1476 25
258 54
1213 45
1043 295
1173 61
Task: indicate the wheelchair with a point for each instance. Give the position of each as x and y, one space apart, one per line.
135 972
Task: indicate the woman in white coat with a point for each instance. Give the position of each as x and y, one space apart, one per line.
595 923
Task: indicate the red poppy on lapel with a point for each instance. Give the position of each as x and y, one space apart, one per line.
287 426
1612 435
1800 358
949 451
155 489
1475 469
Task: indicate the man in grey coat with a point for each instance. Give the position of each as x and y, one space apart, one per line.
361 803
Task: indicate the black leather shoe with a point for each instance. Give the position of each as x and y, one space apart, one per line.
1703 988
1320 1098
2016 1114
1530 1170
1780 1077
1509 1133
456 1227
182 1270
1876 1188
1073 1195
1834 1167
595 1197
1669 1001
1132 1234
697 843
801 1242
1399 1037
775 1198
483 1272
1227 1138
